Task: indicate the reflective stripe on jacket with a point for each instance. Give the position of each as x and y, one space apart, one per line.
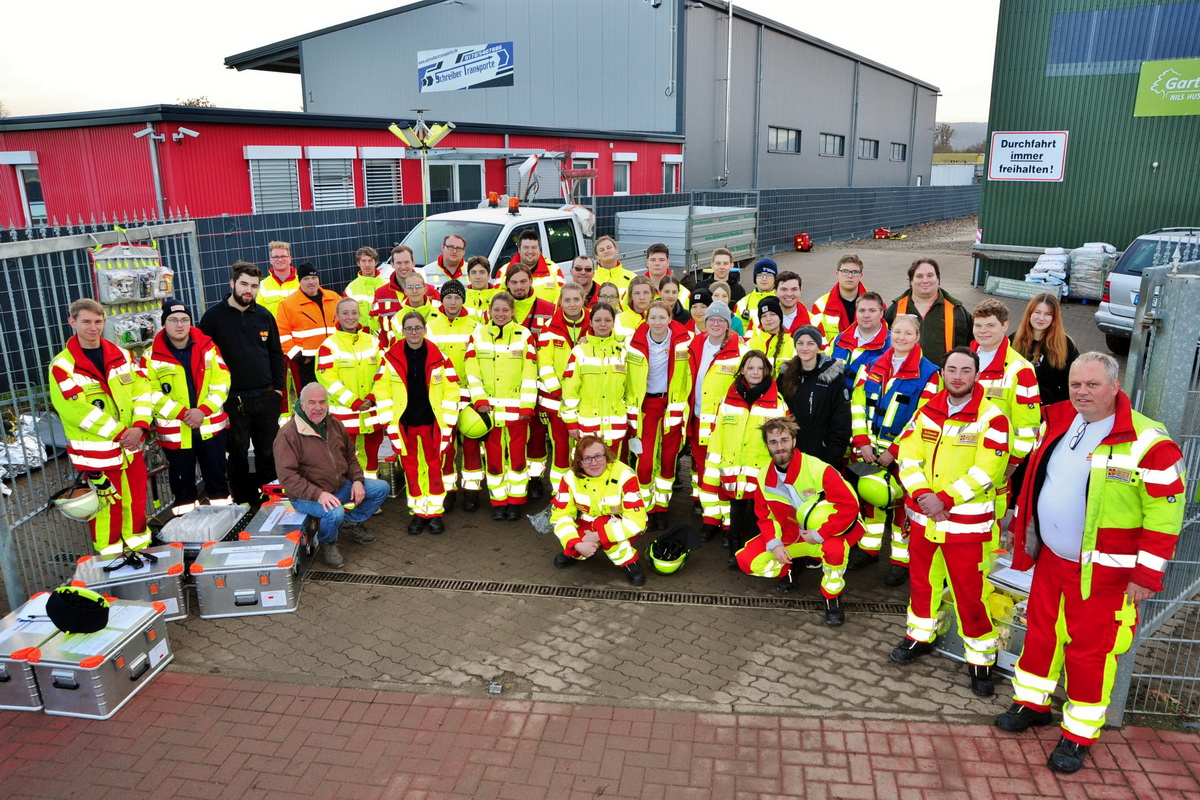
858 358
829 315
593 388
347 366
882 402
554 347
391 392
1010 382
716 382
736 451
502 370
304 322
637 374
611 503
272 291
809 485
168 387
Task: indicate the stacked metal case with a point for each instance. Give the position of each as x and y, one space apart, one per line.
145 580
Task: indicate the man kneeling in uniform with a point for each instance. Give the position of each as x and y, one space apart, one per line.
804 509
318 468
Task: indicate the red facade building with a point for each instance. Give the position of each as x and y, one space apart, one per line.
215 161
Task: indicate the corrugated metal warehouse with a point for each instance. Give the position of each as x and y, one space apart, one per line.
1100 72
799 111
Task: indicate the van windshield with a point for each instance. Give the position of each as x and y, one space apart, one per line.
480 237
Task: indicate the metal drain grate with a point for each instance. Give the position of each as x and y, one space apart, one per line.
584 593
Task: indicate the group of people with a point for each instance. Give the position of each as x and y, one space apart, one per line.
814 432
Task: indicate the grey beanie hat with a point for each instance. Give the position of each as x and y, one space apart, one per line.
718 309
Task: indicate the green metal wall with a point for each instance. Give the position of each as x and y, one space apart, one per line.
1110 193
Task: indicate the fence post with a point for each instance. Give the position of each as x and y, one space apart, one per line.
10 568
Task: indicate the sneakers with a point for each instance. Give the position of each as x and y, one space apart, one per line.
562 561
436 525
1020 717
860 558
910 650
982 684
835 615
633 571
1068 756
332 556
897 574
470 499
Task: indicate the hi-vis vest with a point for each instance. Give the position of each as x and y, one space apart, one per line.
348 364
554 346
391 392
1010 382
736 451
96 409
882 402
1135 497
502 370
960 458
811 491
168 387
451 337
593 388
272 291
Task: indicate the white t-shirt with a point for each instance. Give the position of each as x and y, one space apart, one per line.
1062 503
986 357
954 407
788 319
897 363
660 354
863 338
706 359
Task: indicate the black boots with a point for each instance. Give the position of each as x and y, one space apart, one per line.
910 650
633 571
982 684
1067 757
835 615
470 499
1019 718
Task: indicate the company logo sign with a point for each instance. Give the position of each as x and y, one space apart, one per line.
473 66
1168 88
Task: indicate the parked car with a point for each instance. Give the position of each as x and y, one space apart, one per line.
1119 304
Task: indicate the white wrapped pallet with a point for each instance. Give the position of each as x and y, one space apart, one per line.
1090 265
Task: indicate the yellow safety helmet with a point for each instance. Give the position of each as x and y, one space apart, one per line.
880 490
473 424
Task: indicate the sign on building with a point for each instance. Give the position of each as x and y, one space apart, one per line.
1168 88
473 66
1027 156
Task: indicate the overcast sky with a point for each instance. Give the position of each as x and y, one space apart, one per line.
80 55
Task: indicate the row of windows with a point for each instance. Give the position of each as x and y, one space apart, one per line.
787 140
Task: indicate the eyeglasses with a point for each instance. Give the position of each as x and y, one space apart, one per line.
279 258
583 269
850 273
453 248
1078 437
593 459
178 320
412 329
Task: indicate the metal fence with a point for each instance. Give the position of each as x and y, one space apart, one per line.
41 271
1161 674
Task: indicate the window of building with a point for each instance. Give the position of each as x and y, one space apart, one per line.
868 148
381 180
783 140
620 177
332 183
455 181
671 178
1117 40
274 185
31 195
833 144
899 151
585 187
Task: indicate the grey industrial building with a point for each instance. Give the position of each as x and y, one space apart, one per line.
796 111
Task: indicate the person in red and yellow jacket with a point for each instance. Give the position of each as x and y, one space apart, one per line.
364 285
1099 511
478 286
532 313
593 382
547 277
281 280
598 506
657 383
805 509
449 265
390 297
104 403
609 268
834 311
347 365
306 318
451 331
951 458
419 400
189 384
639 295
567 327
502 381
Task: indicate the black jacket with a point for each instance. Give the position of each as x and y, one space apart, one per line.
820 403
1053 383
249 343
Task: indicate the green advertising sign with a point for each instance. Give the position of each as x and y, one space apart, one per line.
1168 88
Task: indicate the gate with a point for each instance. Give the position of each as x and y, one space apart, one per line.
41 271
1161 673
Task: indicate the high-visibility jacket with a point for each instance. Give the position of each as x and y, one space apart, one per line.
167 382
391 392
637 374
618 276
553 349
715 383
811 491
362 289
884 401
593 388
389 298
437 273
533 314
858 358
451 337
766 342
391 331
960 458
626 323
736 451
1135 498
480 300
502 370
272 291
98 408
547 278
304 322
829 315
610 503
747 307
1010 382
799 320
348 366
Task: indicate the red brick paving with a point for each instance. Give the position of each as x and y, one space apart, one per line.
190 736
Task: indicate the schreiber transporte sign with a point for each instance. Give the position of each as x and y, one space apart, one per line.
1027 156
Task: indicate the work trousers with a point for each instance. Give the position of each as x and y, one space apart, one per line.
756 559
536 438
122 523
422 463
251 419
366 445
1083 635
472 466
699 454
563 448
181 469
328 522
962 565
507 470
660 451
880 521
619 553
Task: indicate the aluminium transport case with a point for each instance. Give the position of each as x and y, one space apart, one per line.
248 578
278 518
1010 630
93 675
149 582
20 634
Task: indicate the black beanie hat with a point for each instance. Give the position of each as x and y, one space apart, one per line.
173 305
305 270
771 304
454 287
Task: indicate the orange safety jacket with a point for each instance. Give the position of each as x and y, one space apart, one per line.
304 322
